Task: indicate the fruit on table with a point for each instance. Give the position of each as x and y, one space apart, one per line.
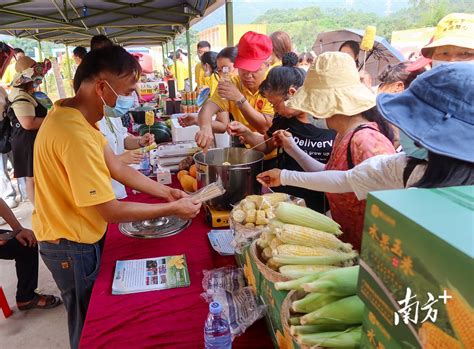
181 174
187 182
192 171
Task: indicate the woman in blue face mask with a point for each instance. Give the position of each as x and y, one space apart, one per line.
436 111
127 147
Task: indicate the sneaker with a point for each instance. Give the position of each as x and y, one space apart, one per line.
12 203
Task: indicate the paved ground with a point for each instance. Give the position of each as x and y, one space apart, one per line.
39 329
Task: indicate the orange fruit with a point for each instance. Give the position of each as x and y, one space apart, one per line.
195 185
187 182
192 171
181 174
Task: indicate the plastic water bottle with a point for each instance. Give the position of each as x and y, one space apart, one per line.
216 329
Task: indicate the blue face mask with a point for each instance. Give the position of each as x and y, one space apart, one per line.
122 105
410 149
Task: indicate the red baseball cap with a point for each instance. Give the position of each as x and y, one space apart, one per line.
253 50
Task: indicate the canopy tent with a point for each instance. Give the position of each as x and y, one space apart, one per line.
126 22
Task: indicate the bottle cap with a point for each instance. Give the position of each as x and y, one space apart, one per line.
215 308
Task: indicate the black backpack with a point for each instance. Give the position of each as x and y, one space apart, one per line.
5 130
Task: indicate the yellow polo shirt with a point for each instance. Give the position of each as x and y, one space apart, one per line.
183 74
256 100
199 74
276 64
71 177
212 82
9 73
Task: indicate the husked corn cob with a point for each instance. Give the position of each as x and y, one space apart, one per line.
294 214
272 264
251 216
260 218
304 236
297 271
461 317
275 243
239 215
275 198
275 224
248 205
432 337
267 253
297 250
347 310
269 213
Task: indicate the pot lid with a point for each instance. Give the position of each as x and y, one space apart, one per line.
154 228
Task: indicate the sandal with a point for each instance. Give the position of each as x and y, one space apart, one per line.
50 302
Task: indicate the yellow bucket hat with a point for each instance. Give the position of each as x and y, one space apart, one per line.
455 29
332 86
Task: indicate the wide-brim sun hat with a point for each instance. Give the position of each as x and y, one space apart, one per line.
437 110
455 29
332 86
24 71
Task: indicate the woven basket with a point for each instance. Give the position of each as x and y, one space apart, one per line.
285 314
268 273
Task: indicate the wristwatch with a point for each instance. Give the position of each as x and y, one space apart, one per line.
241 102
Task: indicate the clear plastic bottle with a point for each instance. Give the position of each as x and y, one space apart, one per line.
216 329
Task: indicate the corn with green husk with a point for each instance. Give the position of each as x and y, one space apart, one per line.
296 284
334 339
297 271
347 310
297 250
309 329
294 321
312 302
298 235
294 214
333 258
337 282
272 264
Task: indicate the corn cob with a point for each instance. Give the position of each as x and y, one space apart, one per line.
297 250
149 147
275 243
336 339
309 329
297 271
251 216
312 302
260 218
275 224
333 258
149 118
304 236
267 253
294 214
461 317
269 213
249 225
248 205
294 320
265 238
347 310
275 198
239 215
272 264
296 284
337 282
432 337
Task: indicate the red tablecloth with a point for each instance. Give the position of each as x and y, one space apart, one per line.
159 319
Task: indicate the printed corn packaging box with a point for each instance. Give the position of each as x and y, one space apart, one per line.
417 264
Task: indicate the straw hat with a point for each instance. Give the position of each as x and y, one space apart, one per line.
24 71
332 86
24 63
455 29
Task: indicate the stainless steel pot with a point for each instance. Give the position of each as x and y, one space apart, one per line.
238 179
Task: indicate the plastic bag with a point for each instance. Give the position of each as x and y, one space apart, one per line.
240 308
250 217
223 279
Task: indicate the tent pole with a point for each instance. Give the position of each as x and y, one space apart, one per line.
163 54
189 59
229 22
174 60
40 56
69 66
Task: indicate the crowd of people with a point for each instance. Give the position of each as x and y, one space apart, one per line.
331 137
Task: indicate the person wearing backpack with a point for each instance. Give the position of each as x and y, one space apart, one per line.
26 115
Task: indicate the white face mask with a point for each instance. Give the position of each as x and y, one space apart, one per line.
319 123
436 62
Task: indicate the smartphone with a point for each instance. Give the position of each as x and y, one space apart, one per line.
6 235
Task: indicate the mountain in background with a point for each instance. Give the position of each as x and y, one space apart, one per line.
247 11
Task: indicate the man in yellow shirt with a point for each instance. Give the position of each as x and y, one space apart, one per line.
73 166
182 72
202 47
240 95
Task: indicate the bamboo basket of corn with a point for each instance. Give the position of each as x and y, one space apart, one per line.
269 274
286 313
